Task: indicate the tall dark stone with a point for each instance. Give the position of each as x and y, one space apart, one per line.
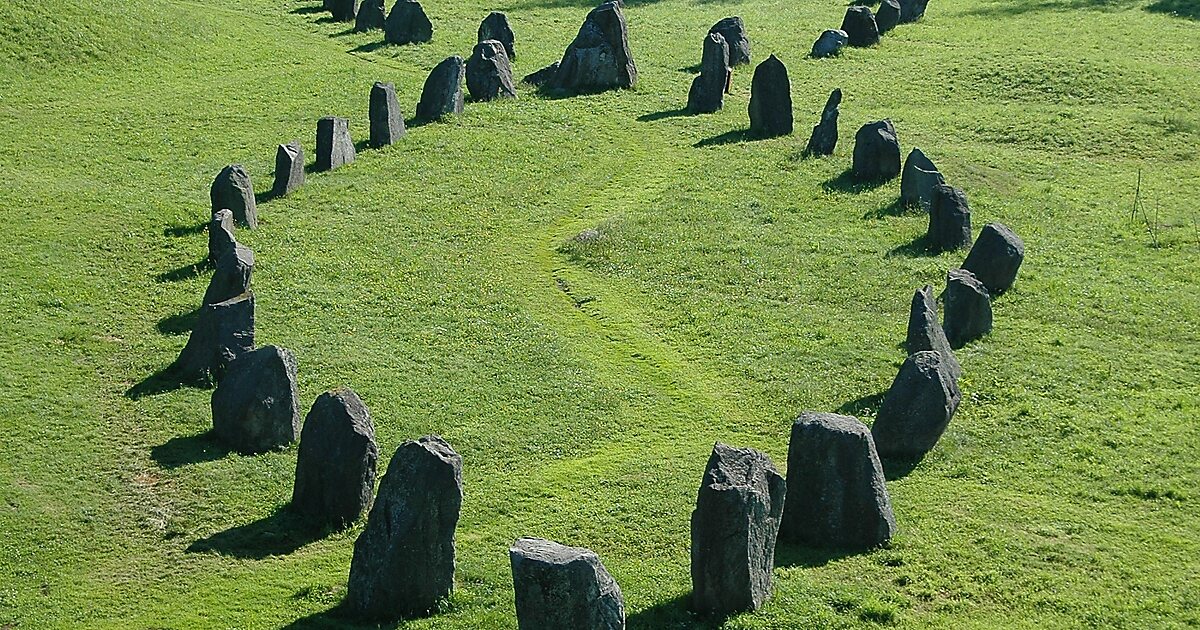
335 466
836 495
860 27
343 10
372 15
918 180
995 257
232 190
334 146
876 152
825 135
407 24
231 277
949 219
222 332
918 406
829 43
708 90
403 561
563 588
734 527
968 308
289 168
770 99
734 32
912 10
925 330
443 92
495 26
489 74
220 235
387 122
254 408
888 15
599 58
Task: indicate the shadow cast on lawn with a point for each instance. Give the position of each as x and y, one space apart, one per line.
667 113
194 449
846 182
1187 9
369 47
789 555
859 406
729 137
185 272
279 534
1009 8
896 208
919 247
181 324
899 467
673 613
176 231
160 382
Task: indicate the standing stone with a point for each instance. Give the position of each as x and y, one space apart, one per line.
387 123
372 15
770 99
925 331
968 313
830 43
489 75
407 24
734 526
599 58
289 168
222 332
443 92
708 90
404 560
917 408
949 219
232 190
876 152
996 257
563 588
334 146
254 408
495 26
220 235
888 15
541 77
344 10
734 32
918 180
335 466
860 27
232 275
836 495
825 135
912 10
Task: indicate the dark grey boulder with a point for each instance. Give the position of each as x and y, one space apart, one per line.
995 257
836 495
255 408
912 10
825 135
334 146
563 588
925 330
830 43
489 74
231 277
708 90
403 561
220 235
968 308
734 527
372 15
876 152
387 121
495 26
289 168
542 76
949 219
222 332
734 32
599 58
919 178
443 91
232 190
918 406
407 24
770 99
335 464
887 16
860 27
343 10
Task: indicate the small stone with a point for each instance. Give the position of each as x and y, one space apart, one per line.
770 99
254 408
830 43
222 332
232 190
335 465
968 312
232 275
289 168
919 178
563 588
912 10
599 58
403 561
489 74
495 26
343 10
387 123
542 76
734 32
836 494
876 152
996 257
888 15
220 235
860 27
708 90
949 219
917 408
407 24
443 92
372 15
734 527
825 135
925 331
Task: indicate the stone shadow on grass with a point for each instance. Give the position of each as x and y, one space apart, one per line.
369 47
729 137
673 613
176 231
193 449
896 208
847 182
666 113
160 382
919 247
279 534
862 404
1187 9
307 10
899 467
789 555
180 324
185 272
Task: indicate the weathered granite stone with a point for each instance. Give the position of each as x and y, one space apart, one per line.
888 15
335 465
220 235
968 308
443 92
925 330
770 99
876 152
254 408
949 219
222 332
563 588
495 26
599 58
917 408
489 74
825 135
387 122
860 27
995 257
912 10
372 15
708 90
289 168
344 10
232 190
407 24
334 146
541 77
830 43
734 32
231 277
919 178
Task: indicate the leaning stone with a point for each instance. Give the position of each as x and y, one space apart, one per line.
734 32
912 10
949 219
825 135
289 168
334 146
708 90
888 15
232 275
407 24
836 495
220 235
996 257
387 123
917 408
232 190
489 74
830 43
254 408
495 26
599 58
335 465
222 332
541 77
876 152
344 10
770 99
925 331
968 312
372 15
860 27
918 180
403 562
563 588
734 526
443 92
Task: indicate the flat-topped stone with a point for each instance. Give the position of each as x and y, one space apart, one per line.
289 168
387 121
995 257
563 588
334 146
223 331
254 407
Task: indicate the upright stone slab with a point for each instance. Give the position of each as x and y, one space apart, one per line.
888 15
876 152
708 90
949 219
770 99
489 74
443 92
495 26
220 235
387 123
918 406
372 15
599 58
912 10
343 10
919 178
830 43
734 32
407 24
995 257
254 408
734 527
231 277
860 27
334 146
335 466
968 312
404 560
289 168
222 332
563 588
233 190
925 330
836 495
825 135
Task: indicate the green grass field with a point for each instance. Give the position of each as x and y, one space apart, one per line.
734 285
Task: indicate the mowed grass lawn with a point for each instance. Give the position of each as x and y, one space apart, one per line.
733 285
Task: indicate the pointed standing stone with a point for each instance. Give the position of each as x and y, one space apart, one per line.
825 135
220 235
949 219
232 275
222 332
289 168
254 408
917 408
334 146
968 312
232 190
996 257
888 15
860 27
918 180
734 32
563 588
925 330
407 24
599 58
495 26
335 466
371 16
387 123
443 92
489 75
708 90
876 152
770 99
